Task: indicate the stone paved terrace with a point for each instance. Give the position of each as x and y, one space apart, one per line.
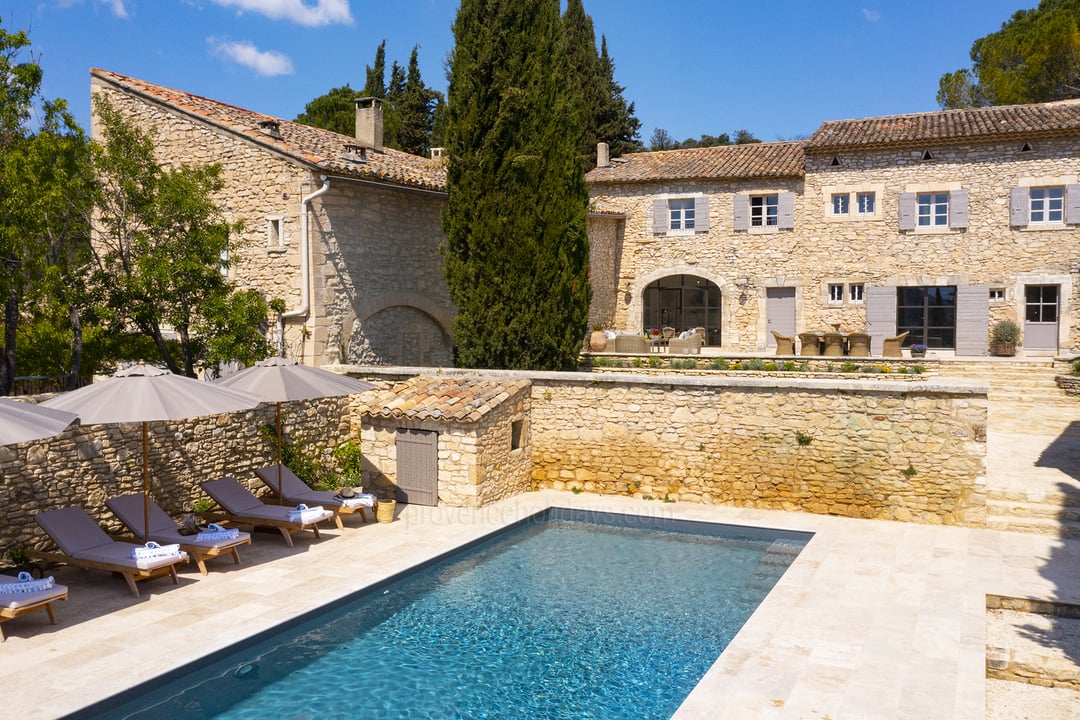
873 620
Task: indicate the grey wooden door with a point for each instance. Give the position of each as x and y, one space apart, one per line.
972 319
418 466
779 313
1041 317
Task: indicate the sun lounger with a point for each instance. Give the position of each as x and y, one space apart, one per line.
163 530
296 491
83 544
244 508
14 604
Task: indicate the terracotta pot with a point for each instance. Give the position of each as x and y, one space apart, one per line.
598 341
1003 349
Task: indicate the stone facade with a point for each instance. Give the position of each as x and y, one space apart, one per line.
376 293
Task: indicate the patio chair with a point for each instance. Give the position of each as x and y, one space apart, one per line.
810 343
243 508
834 344
634 344
163 530
893 346
785 344
16 604
84 544
858 344
296 491
690 344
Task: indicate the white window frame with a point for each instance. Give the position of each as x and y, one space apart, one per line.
765 210
1041 197
853 193
935 203
681 216
856 293
835 293
860 205
841 204
997 294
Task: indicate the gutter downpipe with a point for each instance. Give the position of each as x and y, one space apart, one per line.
305 265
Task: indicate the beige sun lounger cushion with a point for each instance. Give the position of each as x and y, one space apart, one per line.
84 544
163 530
12 605
244 508
296 491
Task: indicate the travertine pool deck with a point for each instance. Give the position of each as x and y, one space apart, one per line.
873 620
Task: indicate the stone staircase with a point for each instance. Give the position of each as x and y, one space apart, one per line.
1033 445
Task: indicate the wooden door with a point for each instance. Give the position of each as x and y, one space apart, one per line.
418 466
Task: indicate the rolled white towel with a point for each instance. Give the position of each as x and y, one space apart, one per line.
153 550
304 514
217 533
27 584
361 500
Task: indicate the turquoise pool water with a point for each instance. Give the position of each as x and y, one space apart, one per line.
567 615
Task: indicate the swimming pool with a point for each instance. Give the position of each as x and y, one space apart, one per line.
569 614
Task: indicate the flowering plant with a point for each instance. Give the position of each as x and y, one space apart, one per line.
918 348
653 331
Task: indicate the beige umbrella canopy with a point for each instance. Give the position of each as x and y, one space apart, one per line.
279 380
143 393
23 421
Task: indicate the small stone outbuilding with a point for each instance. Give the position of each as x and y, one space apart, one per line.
459 441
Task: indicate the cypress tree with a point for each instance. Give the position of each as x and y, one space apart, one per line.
517 254
586 76
415 106
375 75
617 124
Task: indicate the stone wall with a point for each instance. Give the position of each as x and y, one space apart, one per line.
822 249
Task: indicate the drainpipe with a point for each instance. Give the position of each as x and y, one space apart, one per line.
305 265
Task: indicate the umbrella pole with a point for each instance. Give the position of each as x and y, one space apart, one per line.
146 480
280 491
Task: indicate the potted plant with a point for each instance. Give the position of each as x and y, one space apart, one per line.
1003 338
598 339
918 350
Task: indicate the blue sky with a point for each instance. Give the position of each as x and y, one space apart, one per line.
775 67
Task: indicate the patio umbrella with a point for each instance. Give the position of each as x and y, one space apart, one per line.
143 393
279 380
23 421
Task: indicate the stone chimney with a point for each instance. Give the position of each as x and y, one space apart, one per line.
603 159
369 122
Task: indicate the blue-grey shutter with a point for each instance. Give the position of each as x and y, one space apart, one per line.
785 205
1072 204
958 209
972 319
701 213
742 211
907 211
1018 207
880 315
661 219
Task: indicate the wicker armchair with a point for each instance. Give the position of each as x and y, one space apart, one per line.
690 344
785 344
834 344
633 344
893 346
810 342
858 344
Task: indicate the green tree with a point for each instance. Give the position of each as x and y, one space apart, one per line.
616 123
416 109
517 254
661 140
333 111
161 248
375 74
1035 57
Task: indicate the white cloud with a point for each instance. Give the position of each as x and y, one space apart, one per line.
117 6
263 62
871 15
302 12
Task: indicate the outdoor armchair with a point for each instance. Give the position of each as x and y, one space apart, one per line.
893 346
858 344
810 343
785 344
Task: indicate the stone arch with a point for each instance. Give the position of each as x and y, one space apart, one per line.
635 304
399 328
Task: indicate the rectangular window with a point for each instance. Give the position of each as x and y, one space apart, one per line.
836 292
1047 205
855 292
933 209
997 294
681 214
840 204
865 203
764 210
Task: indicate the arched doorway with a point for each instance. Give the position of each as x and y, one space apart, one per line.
683 302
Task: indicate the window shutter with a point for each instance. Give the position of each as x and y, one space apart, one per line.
661 219
972 319
958 209
1018 207
785 205
907 211
1072 204
880 315
701 213
742 211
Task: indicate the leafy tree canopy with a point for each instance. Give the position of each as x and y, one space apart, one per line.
1035 57
662 140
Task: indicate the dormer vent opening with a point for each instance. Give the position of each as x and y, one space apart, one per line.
271 128
356 153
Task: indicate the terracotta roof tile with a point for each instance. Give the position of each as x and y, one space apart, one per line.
755 160
1045 119
447 399
323 149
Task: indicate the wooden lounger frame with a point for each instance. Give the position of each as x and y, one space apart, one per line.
12 613
131 574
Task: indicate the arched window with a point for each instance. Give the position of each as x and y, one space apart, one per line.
683 302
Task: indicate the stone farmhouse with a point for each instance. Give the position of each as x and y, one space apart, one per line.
936 223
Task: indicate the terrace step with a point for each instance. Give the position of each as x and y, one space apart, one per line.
1035 526
1003 509
1032 647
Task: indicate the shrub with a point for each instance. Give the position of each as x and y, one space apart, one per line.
769 366
684 364
719 364
757 364
1076 366
849 367
1006 331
